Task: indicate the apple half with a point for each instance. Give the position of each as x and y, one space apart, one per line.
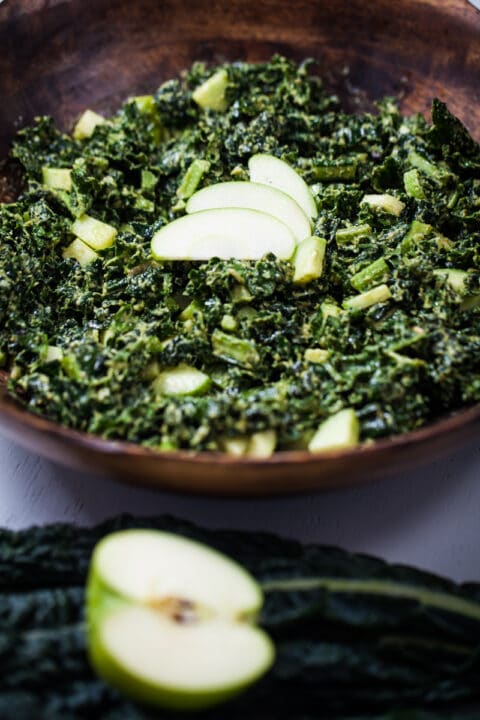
171 622
254 196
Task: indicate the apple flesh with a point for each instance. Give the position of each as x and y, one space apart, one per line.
224 233
270 170
171 621
254 196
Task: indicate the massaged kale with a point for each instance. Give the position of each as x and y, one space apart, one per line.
398 204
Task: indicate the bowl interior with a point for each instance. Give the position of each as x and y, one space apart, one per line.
60 57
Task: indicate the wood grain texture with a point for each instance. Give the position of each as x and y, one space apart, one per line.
60 57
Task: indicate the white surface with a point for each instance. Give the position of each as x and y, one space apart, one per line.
429 518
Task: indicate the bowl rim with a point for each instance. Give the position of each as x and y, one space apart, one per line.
11 411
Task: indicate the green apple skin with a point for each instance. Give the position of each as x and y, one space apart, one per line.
103 601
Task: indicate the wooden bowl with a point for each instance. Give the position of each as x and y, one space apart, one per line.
62 56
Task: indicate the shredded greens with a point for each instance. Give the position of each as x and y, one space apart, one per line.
391 327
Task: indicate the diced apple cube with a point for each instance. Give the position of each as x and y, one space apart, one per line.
57 178
86 124
80 252
97 234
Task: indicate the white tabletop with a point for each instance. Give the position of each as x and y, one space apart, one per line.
429 518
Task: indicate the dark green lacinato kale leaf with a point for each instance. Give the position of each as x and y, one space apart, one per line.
398 206
356 638
456 143
42 144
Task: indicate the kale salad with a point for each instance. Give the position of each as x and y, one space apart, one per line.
374 321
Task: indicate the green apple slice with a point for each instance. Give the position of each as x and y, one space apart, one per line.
270 170
171 621
224 233
256 197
